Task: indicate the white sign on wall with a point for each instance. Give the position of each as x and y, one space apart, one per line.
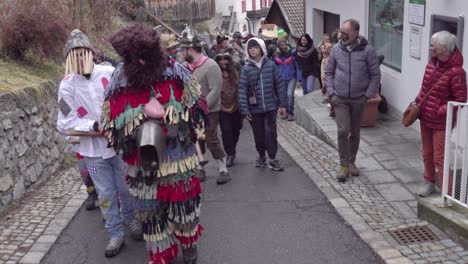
417 12
415 41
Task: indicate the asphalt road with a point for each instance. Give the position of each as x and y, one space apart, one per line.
260 217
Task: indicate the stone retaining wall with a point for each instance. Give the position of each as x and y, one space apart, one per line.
30 148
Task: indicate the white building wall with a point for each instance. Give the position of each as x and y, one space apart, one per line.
398 87
222 6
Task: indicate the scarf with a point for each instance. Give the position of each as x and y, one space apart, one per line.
198 63
304 52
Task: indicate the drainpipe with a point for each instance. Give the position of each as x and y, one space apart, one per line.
249 24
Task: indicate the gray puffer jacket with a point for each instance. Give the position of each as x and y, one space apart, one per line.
352 74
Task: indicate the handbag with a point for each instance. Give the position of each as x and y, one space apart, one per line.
413 110
154 109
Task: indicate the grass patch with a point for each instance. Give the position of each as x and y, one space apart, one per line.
16 75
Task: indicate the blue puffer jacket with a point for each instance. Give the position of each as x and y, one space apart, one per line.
287 65
267 82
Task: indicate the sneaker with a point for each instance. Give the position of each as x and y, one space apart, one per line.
284 117
202 175
230 160
190 255
274 164
342 174
223 178
353 170
136 231
426 190
260 162
291 118
114 247
90 203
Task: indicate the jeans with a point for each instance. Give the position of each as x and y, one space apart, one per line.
108 178
308 84
433 146
348 120
291 87
230 124
265 135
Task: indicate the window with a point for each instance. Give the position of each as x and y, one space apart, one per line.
386 30
244 6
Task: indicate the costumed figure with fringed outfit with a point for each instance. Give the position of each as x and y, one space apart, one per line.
150 115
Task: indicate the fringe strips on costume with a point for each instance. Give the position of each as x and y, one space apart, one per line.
168 197
83 66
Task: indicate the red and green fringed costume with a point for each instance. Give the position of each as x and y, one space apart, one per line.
169 196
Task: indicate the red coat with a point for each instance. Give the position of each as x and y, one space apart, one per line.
452 87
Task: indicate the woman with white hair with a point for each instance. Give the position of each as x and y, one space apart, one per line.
444 80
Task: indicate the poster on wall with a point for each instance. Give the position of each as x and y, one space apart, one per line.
415 42
417 12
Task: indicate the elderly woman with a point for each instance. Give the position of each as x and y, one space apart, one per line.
445 75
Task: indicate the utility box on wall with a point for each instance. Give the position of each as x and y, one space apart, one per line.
454 25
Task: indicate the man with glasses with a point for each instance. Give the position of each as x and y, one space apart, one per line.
352 77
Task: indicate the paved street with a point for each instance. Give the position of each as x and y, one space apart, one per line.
259 217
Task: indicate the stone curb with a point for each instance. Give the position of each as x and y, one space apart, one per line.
45 242
374 239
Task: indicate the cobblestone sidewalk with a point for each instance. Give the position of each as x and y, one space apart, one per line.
363 206
30 227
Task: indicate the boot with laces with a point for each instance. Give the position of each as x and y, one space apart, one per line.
114 247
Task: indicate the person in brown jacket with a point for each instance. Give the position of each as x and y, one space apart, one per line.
209 75
230 118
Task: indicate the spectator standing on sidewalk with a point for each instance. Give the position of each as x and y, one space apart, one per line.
80 97
446 69
230 118
287 66
307 60
208 73
353 76
261 94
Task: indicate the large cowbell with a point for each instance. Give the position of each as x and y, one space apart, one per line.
151 144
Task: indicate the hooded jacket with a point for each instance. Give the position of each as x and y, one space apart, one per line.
265 78
353 74
451 87
287 65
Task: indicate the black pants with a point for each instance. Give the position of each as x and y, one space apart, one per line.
265 135
231 124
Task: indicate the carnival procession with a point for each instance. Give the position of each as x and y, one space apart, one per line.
205 131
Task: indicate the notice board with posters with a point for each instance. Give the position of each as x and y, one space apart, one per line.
417 12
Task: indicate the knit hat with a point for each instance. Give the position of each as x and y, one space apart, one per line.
77 39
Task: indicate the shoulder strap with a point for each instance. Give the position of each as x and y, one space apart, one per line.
432 88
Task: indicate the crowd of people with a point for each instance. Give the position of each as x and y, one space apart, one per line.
144 124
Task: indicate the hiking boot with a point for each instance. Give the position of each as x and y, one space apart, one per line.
342 174
223 178
260 162
190 255
275 165
136 232
90 203
353 170
230 160
114 247
426 190
291 118
202 175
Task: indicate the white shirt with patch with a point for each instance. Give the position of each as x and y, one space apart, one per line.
80 104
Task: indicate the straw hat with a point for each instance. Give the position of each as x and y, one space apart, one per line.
168 40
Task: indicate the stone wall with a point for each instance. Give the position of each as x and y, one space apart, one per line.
30 148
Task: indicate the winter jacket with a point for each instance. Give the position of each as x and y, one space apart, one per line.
286 63
309 65
355 73
451 87
267 82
